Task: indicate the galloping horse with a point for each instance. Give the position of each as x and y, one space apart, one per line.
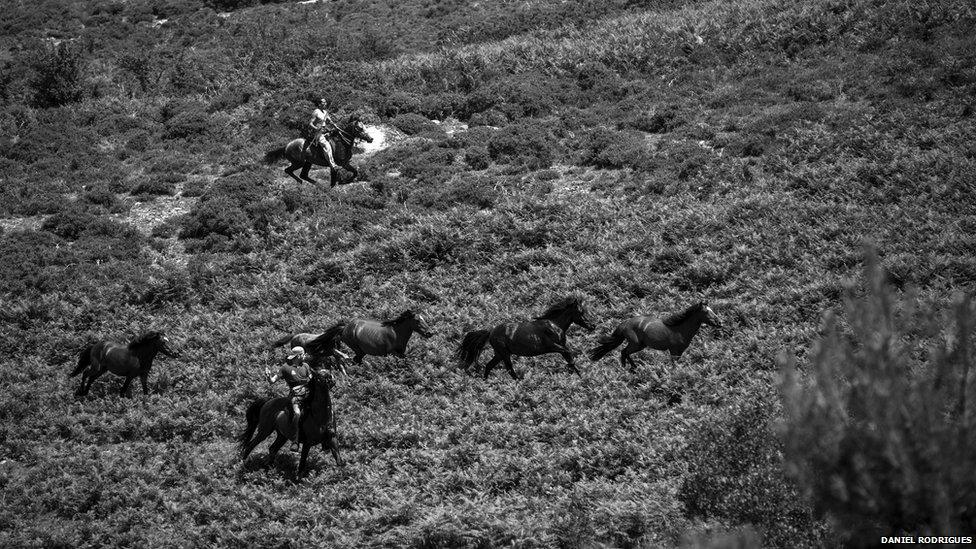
672 333
372 337
274 415
342 140
546 334
308 341
129 361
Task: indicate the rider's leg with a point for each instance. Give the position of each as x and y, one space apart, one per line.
327 149
297 414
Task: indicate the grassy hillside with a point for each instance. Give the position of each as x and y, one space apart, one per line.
643 158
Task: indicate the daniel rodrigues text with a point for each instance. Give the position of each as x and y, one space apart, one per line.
927 539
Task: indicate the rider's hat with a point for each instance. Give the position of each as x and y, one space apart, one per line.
296 352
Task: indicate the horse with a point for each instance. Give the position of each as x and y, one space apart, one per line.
274 415
129 361
543 335
672 333
342 140
372 337
308 341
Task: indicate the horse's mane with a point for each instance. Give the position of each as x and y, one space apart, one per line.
145 338
674 319
558 308
405 315
326 342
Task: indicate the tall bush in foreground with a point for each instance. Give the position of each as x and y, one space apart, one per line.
883 433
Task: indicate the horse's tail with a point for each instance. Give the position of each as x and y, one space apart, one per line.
253 416
275 155
471 346
606 344
84 360
282 340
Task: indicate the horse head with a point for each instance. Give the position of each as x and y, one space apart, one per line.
417 323
155 341
581 316
323 377
357 130
710 317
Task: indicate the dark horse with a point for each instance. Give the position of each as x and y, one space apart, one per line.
546 334
129 361
343 141
372 337
672 333
274 415
312 342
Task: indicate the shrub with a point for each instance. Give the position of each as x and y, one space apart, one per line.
188 124
478 191
56 79
412 124
430 165
69 223
883 432
606 148
477 158
522 145
737 474
658 121
217 216
157 185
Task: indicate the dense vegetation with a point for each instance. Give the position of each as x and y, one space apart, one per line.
642 155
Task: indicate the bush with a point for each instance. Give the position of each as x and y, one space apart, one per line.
522 144
433 165
478 191
217 216
412 124
57 77
737 474
157 185
188 124
477 158
606 148
883 434
69 223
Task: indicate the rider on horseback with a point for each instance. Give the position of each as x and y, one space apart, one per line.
321 124
297 374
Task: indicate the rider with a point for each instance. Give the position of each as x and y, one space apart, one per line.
321 124
297 374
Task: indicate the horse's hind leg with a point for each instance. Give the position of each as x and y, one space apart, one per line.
625 357
290 170
279 441
91 376
125 386
262 434
305 168
491 364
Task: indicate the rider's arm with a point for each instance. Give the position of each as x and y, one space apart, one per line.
271 377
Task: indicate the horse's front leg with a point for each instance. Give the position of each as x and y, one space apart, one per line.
144 379
568 356
329 444
511 368
304 461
